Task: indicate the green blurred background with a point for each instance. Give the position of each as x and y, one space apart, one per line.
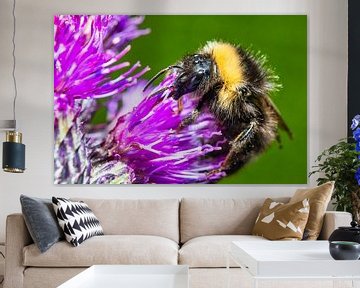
282 38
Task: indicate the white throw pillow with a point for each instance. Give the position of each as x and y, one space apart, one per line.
77 220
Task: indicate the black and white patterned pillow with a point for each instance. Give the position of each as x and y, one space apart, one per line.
77 220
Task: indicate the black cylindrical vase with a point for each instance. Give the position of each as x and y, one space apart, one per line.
13 153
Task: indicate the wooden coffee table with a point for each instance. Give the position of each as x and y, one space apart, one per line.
131 276
293 260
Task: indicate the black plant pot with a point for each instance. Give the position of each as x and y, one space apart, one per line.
343 250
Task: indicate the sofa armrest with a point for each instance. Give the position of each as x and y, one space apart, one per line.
333 220
17 237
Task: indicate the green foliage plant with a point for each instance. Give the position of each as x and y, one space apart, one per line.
339 163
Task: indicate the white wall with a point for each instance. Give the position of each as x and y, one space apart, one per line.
327 48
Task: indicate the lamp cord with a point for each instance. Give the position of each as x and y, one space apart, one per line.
14 61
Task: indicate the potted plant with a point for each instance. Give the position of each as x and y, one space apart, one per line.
341 163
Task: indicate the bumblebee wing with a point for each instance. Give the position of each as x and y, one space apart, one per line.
282 123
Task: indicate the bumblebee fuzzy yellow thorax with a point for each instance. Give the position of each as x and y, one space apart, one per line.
229 67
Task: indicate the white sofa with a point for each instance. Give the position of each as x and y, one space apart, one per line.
194 232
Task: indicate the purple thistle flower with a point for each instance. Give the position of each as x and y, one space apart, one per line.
143 145
147 141
122 29
83 65
82 68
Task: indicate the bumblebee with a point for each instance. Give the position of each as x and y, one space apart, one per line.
235 85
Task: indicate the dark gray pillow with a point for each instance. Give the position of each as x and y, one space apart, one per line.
41 221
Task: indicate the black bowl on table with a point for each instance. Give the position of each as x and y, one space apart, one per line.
344 250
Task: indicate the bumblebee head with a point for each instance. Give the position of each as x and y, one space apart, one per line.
192 74
196 71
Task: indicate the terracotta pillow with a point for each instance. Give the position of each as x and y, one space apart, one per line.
319 198
279 221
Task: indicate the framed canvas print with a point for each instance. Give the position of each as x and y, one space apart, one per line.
180 99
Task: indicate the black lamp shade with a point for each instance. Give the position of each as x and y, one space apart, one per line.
13 156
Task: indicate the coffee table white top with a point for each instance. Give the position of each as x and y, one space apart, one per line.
291 259
131 276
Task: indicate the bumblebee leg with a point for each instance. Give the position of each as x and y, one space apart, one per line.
237 148
188 120
244 135
180 105
193 116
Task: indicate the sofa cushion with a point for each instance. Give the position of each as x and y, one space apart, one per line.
279 221
107 249
41 221
211 251
201 217
76 220
319 198
137 217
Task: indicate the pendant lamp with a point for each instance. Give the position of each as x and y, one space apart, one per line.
13 160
